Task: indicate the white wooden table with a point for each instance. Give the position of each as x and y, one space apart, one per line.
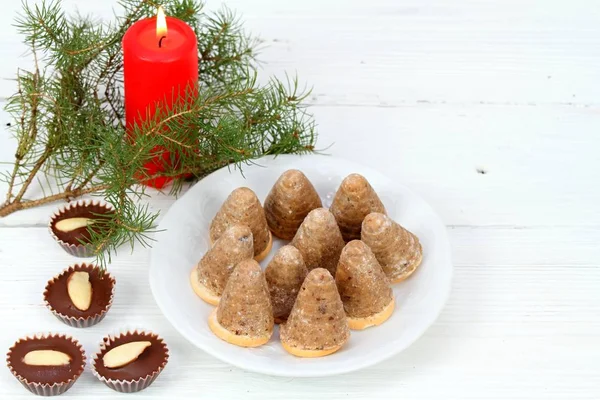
490 110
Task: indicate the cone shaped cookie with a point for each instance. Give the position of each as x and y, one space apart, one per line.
242 207
397 250
289 202
354 199
363 286
319 240
244 316
285 274
210 276
317 325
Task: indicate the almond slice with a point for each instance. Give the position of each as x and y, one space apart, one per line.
124 354
80 290
70 224
46 358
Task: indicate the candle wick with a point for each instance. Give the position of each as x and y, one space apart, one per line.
160 41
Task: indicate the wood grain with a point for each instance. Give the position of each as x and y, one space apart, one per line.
537 162
489 110
417 51
512 324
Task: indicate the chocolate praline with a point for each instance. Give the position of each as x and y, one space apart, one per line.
46 380
57 299
138 374
76 241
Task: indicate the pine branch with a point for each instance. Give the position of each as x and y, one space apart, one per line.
69 110
24 205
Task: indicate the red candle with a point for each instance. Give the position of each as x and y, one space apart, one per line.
160 63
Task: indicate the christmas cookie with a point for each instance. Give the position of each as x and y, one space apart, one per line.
319 240
317 325
363 286
285 274
242 207
244 316
354 199
397 250
289 202
81 295
210 276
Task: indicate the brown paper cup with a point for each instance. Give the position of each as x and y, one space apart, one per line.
80 322
133 385
71 210
47 389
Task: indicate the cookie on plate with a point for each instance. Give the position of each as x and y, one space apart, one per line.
353 201
242 207
317 325
290 200
244 316
398 251
364 288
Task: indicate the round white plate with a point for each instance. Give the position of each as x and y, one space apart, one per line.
185 239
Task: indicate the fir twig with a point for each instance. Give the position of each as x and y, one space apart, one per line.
68 115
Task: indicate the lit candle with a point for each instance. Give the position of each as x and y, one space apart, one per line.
160 63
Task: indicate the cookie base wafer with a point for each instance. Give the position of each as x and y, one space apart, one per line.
202 291
266 251
230 337
304 353
358 324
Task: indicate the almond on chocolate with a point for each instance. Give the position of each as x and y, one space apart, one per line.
81 295
131 361
47 365
72 225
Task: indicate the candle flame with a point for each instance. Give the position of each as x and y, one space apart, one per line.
161 23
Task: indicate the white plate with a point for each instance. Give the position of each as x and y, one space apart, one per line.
419 300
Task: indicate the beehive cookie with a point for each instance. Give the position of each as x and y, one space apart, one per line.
353 201
285 274
289 202
398 251
244 316
242 207
363 286
210 276
317 325
319 240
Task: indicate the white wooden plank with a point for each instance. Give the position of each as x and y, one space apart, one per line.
387 53
437 90
540 163
516 325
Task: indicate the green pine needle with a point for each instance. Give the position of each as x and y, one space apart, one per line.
68 114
